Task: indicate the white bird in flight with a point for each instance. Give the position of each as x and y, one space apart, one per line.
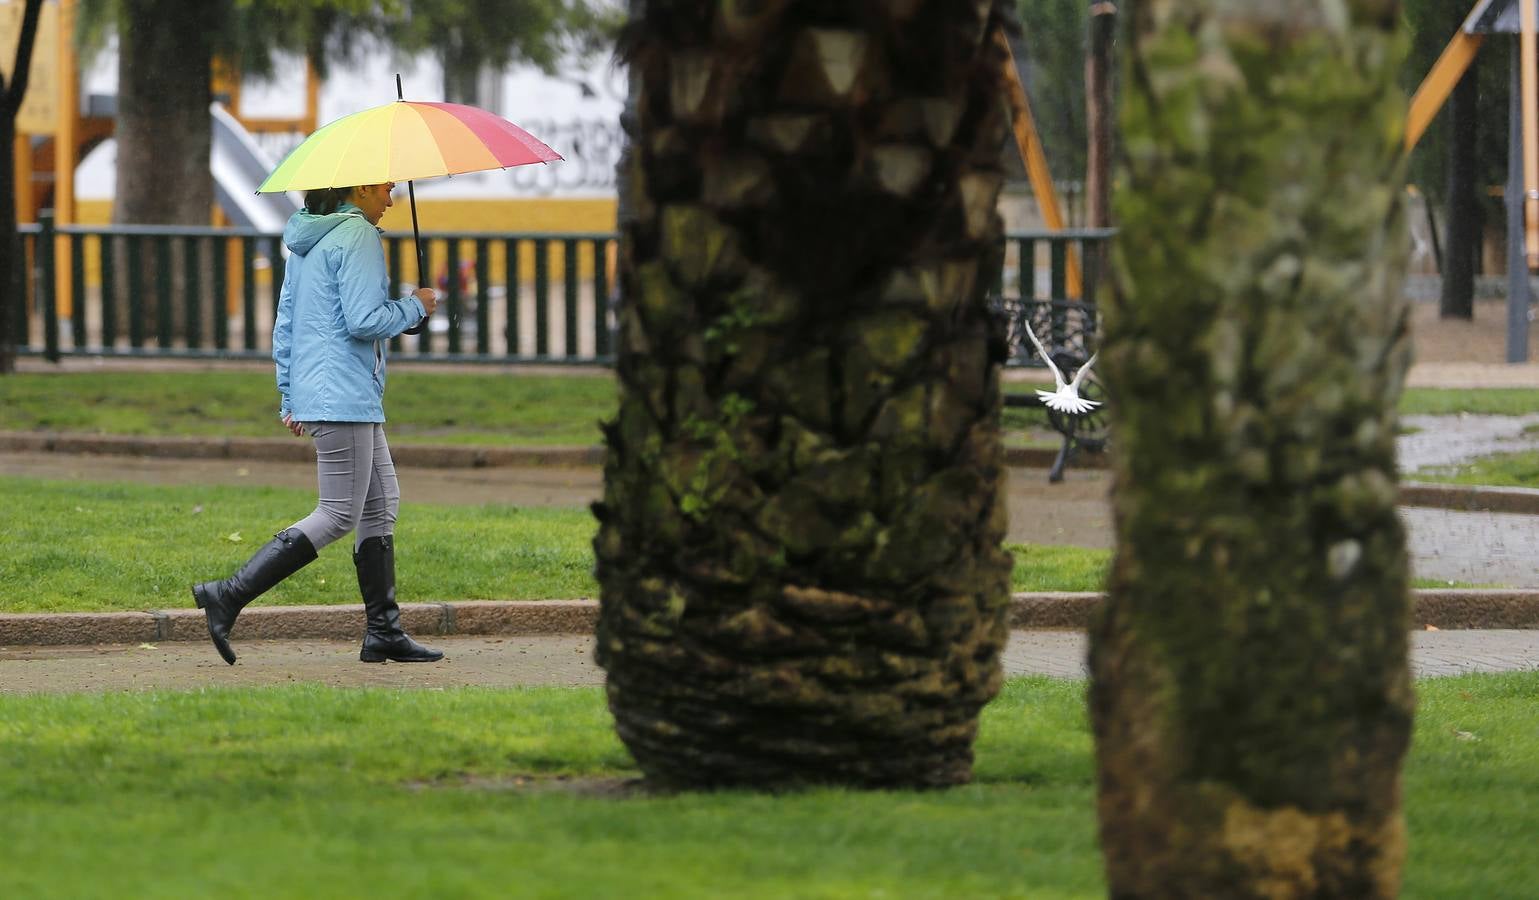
1066 398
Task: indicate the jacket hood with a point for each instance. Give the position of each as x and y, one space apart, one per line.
305 229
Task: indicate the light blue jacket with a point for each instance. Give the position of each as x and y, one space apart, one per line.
334 317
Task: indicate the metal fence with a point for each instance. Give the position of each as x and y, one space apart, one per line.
210 293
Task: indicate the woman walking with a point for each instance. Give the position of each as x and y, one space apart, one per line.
334 317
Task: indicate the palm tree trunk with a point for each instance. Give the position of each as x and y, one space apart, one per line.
799 552
1250 693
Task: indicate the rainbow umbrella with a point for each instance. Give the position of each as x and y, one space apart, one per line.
404 141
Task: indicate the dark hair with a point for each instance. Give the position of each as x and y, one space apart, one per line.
324 201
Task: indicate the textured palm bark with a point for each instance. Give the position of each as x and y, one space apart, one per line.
800 543
1250 693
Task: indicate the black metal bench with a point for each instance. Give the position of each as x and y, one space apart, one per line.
1068 329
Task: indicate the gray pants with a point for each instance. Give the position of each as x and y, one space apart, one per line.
356 480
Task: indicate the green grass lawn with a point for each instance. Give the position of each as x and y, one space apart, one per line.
1519 469
304 791
84 546
422 407
436 407
1489 401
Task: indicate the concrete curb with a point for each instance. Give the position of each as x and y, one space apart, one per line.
437 456
1470 498
1443 609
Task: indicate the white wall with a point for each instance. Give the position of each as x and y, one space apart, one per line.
553 108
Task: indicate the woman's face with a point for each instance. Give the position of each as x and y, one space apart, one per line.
373 200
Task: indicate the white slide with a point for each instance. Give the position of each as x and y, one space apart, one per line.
239 166
236 162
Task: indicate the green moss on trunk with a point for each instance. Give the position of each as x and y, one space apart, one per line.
799 550
1251 697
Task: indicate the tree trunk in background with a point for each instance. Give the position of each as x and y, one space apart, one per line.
163 128
13 91
13 291
800 544
1250 694
1099 112
164 134
1462 246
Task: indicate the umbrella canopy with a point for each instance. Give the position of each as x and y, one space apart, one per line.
404 141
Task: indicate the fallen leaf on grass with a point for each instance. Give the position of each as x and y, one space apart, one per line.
1466 736
234 537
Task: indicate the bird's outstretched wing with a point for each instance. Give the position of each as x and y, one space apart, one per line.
1080 375
1042 351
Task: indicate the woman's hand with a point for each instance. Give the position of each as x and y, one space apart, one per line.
293 426
429 298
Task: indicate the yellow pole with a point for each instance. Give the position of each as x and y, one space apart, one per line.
1530 57
1439 83
1030 145
26 197
312 96
64 154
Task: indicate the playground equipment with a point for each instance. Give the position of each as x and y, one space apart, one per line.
61 128
238 166
1519 18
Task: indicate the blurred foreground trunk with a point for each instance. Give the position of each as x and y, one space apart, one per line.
1250 693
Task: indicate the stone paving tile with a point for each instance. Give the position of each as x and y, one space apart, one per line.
559 660
1449 440
1473 547
1433 653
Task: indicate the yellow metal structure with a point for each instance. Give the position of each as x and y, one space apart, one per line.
1439 83
1030 145
66 152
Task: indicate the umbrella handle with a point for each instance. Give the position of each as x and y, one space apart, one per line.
416 239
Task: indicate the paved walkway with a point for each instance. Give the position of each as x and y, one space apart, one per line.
1464 547
560 660
1477 548
1451 440
1074 512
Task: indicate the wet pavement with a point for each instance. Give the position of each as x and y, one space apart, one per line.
1481 548
559 660
1442 441
1073 512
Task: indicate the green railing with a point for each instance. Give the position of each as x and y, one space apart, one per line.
1048 282
210 293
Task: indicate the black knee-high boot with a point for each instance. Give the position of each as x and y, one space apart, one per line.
287 553
375 560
